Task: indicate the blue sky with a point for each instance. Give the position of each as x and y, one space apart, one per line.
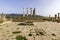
43 7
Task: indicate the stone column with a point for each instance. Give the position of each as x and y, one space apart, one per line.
49 16
0 18
58 15
2 15
55 16
23 13
34 12
31 11
27 12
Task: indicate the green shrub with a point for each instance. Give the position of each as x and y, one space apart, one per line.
30 34
19 37
21 24
53 34
41 33
16 32
37 34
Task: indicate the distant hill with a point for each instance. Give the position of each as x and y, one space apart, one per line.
19 15
37 17
13 15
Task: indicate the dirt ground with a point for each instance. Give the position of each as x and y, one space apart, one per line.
50 30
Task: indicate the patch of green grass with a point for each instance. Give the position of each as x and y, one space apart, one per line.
19 37
54 39
1 21
17 28
7 26
16 32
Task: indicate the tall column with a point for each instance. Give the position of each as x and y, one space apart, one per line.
27 12
58 15
49 16
0 17
34 12
31 11
23 13
55 16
